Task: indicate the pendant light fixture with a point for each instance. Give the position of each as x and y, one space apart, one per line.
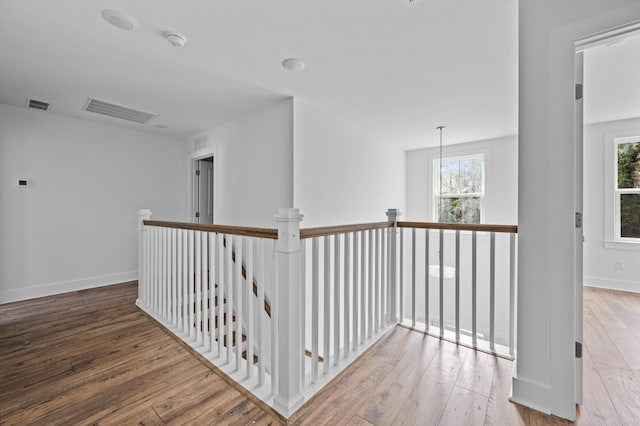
440 128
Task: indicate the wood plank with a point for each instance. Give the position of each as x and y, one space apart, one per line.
499 409
426 403
598 341
624 389
598 407
464 407
386 401
477 372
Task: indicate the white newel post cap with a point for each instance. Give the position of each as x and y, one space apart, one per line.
393 214
143 214
288 220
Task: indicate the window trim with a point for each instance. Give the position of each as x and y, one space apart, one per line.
435 179
612 235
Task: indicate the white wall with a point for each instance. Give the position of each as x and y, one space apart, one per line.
544 375
342 174
501 179
76 226
600 261
253 165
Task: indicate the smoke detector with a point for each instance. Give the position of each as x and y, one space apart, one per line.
293 64
119 19
176 39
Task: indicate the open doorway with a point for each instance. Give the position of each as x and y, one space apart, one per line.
610 271
203 190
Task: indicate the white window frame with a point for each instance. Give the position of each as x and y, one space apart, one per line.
436 184
612 237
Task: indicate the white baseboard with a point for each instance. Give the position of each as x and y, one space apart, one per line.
611 284
32 292
530 394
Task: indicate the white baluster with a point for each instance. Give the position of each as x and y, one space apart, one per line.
185 281
401 282
250 306
370 282
492 292
356 286
174 284
347 293
262 331
427 235
326 331
363 286
192 302
384 277
315 307
512 291
457 272
240 302
376 284
441 272
229 297
474 280
211 294
198 285
179 281
204 282
220 324
336 299
413 277
164 264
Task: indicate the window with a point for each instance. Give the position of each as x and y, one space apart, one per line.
462 189
627 189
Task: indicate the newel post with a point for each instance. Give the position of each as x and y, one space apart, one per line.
143 214
392 216
288 252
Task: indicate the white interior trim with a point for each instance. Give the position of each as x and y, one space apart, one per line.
32 292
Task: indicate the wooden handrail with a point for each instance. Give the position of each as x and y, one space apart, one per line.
511 229
324 231
245 231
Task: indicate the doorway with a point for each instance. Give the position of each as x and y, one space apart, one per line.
203 190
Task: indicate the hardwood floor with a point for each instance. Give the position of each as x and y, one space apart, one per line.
91 357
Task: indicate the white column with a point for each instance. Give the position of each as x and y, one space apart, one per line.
392 215
288 251
143 214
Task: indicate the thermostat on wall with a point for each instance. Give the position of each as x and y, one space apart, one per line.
23 183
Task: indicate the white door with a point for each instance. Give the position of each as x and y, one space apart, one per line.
579 235
203 185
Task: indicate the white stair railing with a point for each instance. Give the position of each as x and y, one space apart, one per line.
252 300
459 283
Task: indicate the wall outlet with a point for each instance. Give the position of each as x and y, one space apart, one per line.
619 264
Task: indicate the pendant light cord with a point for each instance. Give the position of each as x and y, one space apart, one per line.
440 194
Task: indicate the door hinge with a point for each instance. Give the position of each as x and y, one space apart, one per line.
578 91
197 172
578 220
578 350
197 214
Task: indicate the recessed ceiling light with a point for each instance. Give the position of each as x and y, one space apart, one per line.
161 126
119 19
176 40
293 64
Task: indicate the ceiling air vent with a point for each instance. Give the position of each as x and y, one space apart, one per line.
118 111
36 104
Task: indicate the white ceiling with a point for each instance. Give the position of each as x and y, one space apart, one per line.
393 70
